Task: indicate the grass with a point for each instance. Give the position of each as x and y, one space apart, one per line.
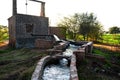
111 38
6 50
18 64
109 55
98 52
87 70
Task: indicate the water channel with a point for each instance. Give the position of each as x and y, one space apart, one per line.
60 71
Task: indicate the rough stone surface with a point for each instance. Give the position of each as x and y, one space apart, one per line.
22 26
90 47
73 69
42 62
80 54
39 68
59 31
43 44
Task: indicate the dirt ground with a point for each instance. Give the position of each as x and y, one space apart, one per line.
3 45
111 48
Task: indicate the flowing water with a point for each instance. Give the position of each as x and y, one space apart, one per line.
60 71
56 72
70 49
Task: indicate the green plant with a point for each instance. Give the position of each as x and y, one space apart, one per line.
99 52
3 33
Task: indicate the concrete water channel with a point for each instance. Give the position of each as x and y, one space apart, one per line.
61 65
60 71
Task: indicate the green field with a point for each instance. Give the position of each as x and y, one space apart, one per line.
111 39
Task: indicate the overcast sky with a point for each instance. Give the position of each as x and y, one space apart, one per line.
107 11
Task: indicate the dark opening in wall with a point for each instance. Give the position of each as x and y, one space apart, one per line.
29 28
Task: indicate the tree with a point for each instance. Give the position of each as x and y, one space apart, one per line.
3 33
89 26
84 24
96 32
114 30
71 24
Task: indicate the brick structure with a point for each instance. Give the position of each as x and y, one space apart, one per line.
43 44
21 26
59 31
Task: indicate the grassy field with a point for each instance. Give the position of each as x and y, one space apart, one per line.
111 38
18 64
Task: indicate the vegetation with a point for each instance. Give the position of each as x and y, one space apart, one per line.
113 39
90 27
82 24
88 69
114 30
3 33
18 64
95 69
86 27
71 26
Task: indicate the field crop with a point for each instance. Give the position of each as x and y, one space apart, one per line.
111 38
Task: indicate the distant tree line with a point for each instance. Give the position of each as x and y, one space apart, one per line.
114 30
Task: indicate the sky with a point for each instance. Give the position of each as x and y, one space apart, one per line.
107 11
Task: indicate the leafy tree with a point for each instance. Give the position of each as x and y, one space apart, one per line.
114 30
84 24
3 33
89 26
96 32
71 24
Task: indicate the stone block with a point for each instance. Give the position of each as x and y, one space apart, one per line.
73 70
84 47
90 47
80 54
43 44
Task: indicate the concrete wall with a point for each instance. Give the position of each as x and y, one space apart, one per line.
22 26
43 44
40 25
12 31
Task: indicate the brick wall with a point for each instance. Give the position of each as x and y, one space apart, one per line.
21 27
43 44
59 31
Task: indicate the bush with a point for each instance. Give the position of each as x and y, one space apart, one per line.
3 33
